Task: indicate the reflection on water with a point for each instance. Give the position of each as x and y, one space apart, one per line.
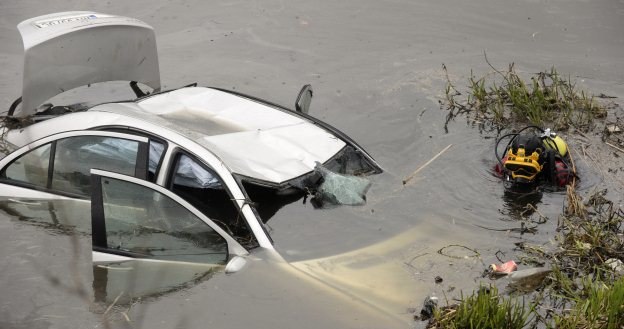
521 201
121 283
134 280
65 217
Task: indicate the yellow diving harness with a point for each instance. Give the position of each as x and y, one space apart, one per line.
531 158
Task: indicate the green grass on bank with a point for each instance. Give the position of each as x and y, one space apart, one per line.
504 97
596 305
599 306
483 309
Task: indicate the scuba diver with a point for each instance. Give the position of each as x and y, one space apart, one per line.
534 157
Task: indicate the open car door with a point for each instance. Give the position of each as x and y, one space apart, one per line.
135 219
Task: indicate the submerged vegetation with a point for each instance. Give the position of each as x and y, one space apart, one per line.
593 232
503 97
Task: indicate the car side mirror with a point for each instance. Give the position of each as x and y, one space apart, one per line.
304 99
235 264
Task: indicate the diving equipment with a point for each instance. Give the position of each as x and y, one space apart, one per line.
532 158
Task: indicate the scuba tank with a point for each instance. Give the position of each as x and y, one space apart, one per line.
532 158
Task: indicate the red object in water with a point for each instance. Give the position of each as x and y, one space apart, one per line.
504 268
498 169
562 174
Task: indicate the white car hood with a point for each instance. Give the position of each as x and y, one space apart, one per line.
252 139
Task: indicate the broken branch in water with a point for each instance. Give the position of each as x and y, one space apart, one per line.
573 168
406 180
615 147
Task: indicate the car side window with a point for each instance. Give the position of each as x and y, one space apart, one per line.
31 168
141 222
63 165
204 189
75 157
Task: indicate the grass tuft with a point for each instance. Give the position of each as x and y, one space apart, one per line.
504 97
602 307
483 309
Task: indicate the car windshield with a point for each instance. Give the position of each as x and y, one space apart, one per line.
269 198
293 210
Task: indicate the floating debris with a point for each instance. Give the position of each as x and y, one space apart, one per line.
504 268
528 279
616 265
429 306
612 129
448 251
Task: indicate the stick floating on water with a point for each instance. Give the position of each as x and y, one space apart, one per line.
615 147
406 180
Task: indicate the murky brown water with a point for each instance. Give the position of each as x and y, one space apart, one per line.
376 70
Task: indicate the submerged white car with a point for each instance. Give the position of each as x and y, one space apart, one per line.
172 175
189 175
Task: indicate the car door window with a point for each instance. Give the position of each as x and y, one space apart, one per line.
144 223
75 156
156 150
31 168
204 189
